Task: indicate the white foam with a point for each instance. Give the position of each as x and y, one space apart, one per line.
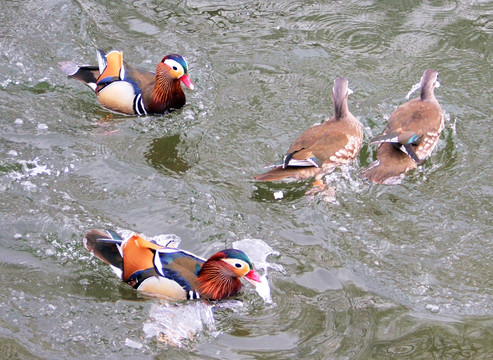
258 252
175 323
166 240
278 195
133 344
30 168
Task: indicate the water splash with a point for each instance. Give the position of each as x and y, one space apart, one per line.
174 324
258 252
166 240
30 168
413 89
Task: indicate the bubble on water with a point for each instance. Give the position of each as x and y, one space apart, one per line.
42 127
432 308
278 195
133 344
12 153
19 121
5 83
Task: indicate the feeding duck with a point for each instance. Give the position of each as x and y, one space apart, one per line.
412 133
322 147
123 88
174 273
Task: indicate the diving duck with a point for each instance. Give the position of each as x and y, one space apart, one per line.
323 147
174 273
412 132
122 88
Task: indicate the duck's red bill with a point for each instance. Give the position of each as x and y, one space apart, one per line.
186 80
253 278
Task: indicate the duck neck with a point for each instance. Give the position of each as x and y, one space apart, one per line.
427 93
167 93
341 109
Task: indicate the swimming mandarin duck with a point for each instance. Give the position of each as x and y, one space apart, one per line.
412 132
122 88
177 274
323 147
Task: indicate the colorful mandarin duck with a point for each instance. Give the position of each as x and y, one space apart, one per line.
322 147
121 87
412 132
171 272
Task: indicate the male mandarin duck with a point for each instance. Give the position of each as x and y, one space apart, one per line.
322 147
121 87
412 132
174 273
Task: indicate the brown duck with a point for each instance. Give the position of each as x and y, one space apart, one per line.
323 147
412 132
122 88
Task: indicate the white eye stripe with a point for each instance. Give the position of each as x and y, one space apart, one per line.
174 64
238 264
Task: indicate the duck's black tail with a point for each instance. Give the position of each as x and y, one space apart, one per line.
105 245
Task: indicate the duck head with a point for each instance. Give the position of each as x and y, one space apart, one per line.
177 68
220 275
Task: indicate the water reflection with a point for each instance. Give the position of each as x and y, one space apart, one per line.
166 154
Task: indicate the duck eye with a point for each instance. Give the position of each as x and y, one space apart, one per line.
175 68
238 265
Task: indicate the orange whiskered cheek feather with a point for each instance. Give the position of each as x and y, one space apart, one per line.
218 290
216 282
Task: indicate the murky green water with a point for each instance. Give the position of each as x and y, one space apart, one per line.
381 273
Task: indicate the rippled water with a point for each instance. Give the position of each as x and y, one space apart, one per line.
377 273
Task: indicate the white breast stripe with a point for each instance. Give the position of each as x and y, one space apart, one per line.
158 265
193 295
139 108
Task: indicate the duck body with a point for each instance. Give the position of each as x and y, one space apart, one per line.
171 272
123 88
322 147
412 133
